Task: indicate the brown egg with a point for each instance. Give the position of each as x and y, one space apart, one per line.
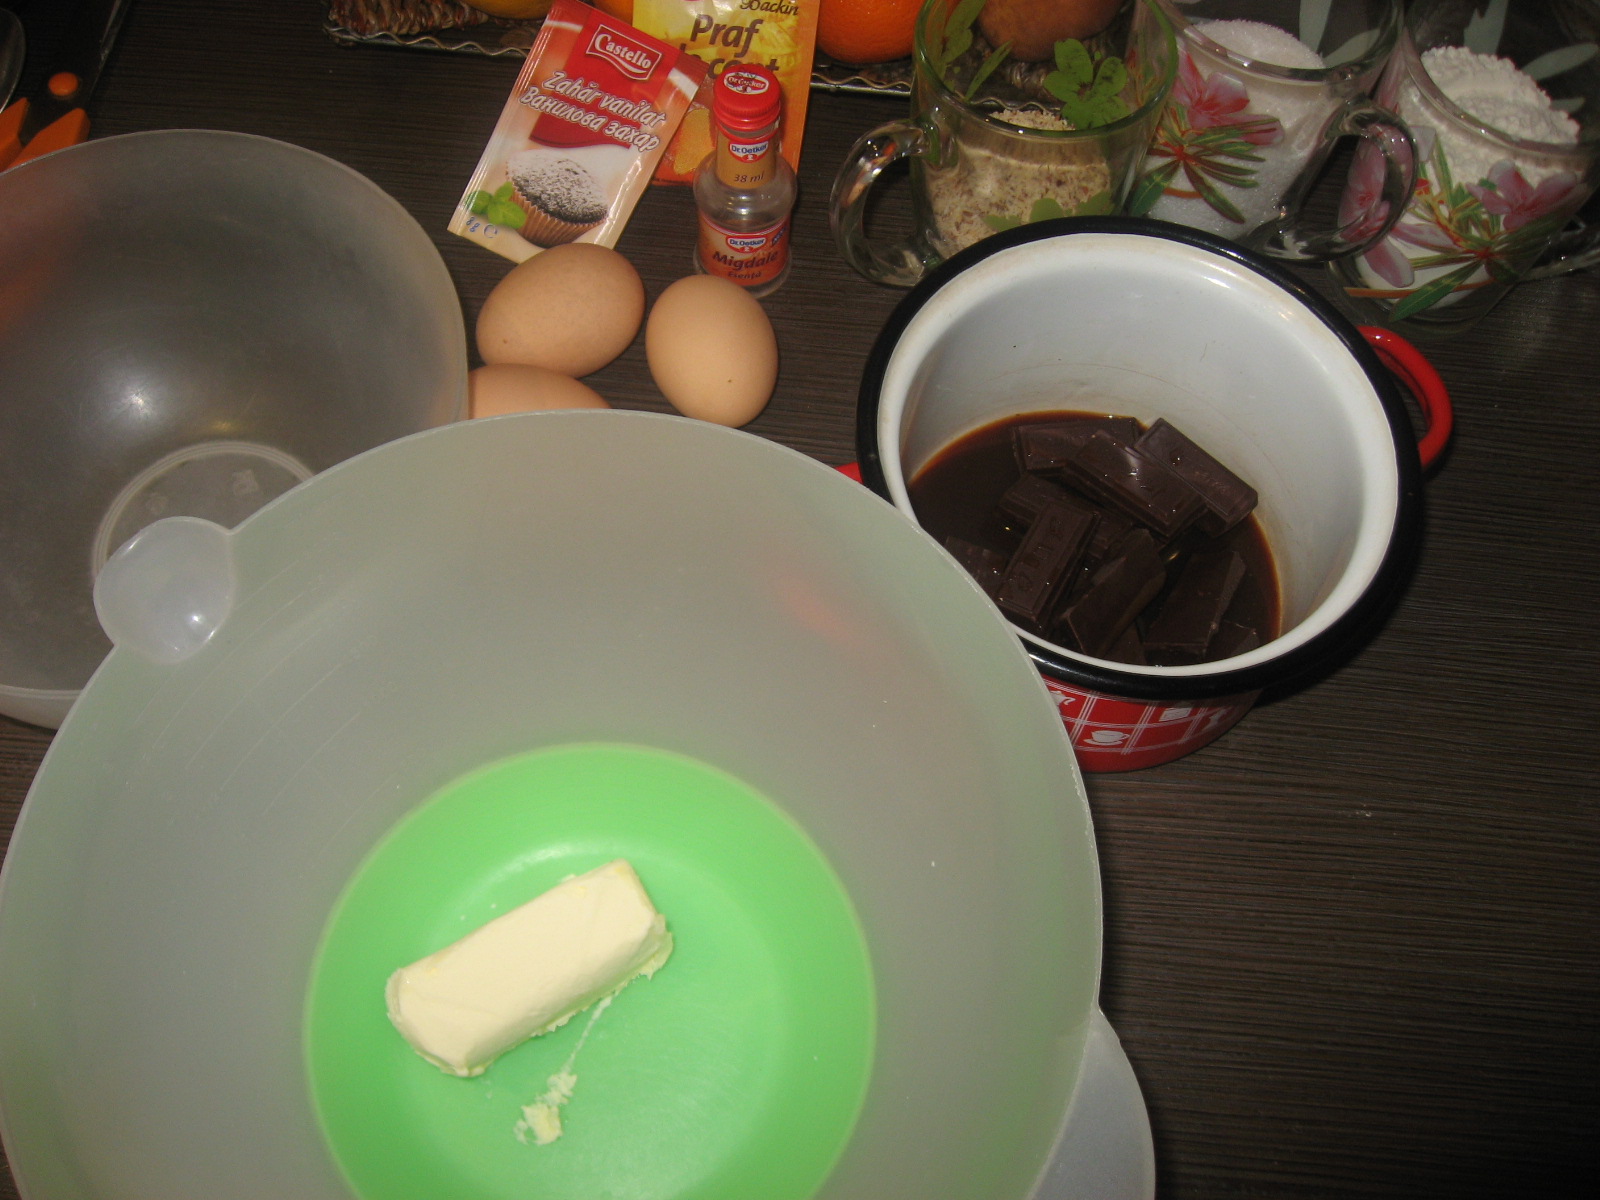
498 388
1033 27
571 309
711 350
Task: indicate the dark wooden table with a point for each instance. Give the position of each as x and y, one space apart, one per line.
1351 949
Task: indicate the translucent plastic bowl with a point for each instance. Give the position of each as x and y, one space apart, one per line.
487 590
191 323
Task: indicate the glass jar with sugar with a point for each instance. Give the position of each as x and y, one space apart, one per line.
1264 93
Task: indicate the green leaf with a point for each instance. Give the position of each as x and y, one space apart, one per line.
1045 208
1073 61
1111 77
1061 86
1238 156
1149 188
504 212
1107 109
1211 151
964 15
478 203
505 191
1212 196
1446 258
958 30
1221 140
956 45
1501 271
1446 184
1002 223
986 69
1097 205
1228 173
1431 294
1077 112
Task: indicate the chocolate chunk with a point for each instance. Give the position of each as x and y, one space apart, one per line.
1183 629
1113 527
1022 501
1138 486
1045 561
987 566
1046 445
1228 499
1233 638
1114 595
1129 647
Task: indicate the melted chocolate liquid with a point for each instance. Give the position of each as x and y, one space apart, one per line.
957 493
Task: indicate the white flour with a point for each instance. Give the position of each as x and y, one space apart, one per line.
1301 108
1497 93
1494 91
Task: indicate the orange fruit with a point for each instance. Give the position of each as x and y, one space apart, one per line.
621 9
1033 27
866 31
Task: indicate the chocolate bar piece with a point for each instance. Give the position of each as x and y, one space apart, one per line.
1133 483
1046 445
987 566
1228 499
1115 594
1129 647
1183 629
1047 558
1232 639
1113 527
1020 503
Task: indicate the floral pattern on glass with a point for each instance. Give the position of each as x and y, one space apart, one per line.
1207 136
1476 233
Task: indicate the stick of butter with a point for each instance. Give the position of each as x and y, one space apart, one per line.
530 970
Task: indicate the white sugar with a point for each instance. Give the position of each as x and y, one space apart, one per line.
1262 43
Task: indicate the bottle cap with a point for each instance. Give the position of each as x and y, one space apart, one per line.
747 97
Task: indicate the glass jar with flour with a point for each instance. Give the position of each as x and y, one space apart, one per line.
1503 97
1265 90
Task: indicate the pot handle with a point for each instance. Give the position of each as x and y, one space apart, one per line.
1408 365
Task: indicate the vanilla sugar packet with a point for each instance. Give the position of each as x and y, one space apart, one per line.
780 35
592 113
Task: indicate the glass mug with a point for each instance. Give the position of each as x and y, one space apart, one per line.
1265 89
1501 173
979 159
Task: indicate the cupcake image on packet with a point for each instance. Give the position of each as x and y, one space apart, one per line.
592 112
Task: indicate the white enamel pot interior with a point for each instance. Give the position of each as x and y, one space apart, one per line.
1147 319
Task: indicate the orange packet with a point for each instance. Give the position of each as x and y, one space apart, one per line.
592 113
778 34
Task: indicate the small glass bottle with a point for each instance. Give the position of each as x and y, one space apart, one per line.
745 190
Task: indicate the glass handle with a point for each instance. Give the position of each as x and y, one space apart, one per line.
1574 248
1381 181
899 263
